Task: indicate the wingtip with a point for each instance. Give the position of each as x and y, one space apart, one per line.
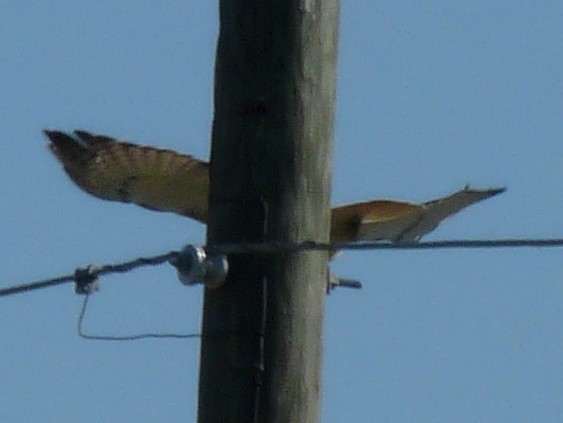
489 191
53 134
56 138
64 146
496 191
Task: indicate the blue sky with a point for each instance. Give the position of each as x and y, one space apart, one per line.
431 96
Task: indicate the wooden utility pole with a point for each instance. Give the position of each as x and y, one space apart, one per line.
261 352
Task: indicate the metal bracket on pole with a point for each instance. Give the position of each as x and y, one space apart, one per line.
334 281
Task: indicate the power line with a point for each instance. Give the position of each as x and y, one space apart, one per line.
274 247
92 271
84 276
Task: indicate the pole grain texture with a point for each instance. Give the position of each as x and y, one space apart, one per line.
262 339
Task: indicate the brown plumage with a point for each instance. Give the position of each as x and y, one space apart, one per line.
399 221
154 178
165 180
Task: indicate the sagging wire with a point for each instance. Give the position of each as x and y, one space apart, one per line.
136 337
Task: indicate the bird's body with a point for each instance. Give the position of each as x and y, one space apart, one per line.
165 180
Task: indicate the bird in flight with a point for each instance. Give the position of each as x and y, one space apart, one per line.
165 180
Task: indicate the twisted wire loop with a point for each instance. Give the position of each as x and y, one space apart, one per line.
136 337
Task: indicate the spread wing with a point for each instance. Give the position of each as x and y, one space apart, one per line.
169 181
400 221
119 171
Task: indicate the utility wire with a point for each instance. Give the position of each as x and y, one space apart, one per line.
274 247
94 272
124 337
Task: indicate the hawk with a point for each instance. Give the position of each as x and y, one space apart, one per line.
165 180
